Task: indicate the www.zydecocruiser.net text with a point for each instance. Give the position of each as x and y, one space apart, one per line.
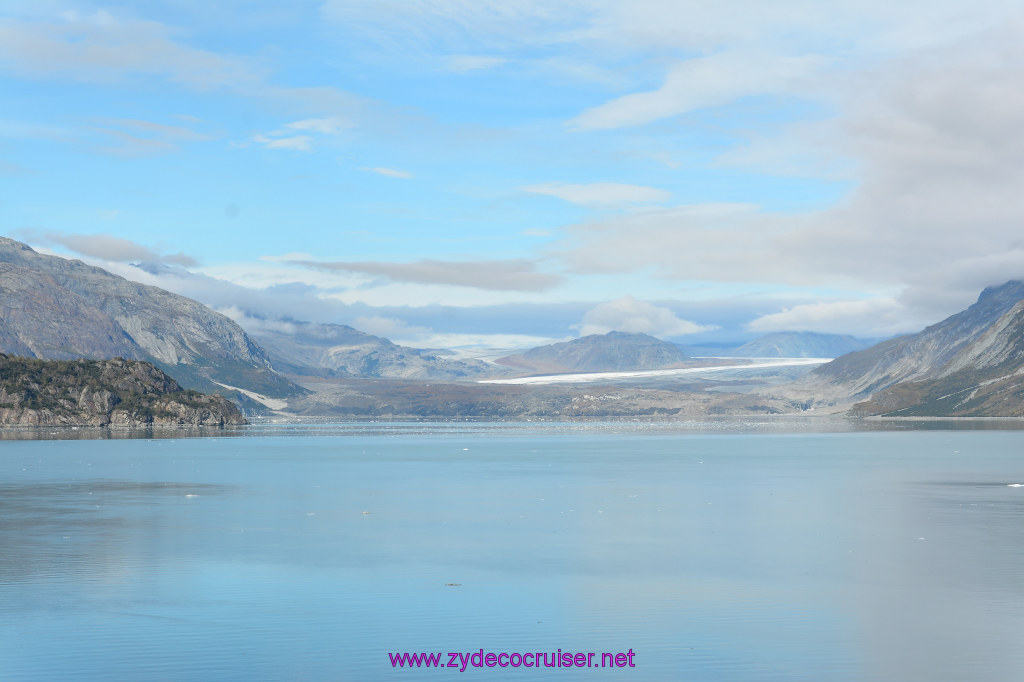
530 659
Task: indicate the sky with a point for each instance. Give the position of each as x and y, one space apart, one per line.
457 173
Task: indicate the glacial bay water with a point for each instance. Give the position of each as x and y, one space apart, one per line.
722 551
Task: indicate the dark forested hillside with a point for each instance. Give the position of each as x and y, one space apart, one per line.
115 392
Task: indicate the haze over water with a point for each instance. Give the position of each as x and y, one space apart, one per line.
718 552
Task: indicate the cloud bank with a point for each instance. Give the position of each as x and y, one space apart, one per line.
496 275
627 314
108 248
601 194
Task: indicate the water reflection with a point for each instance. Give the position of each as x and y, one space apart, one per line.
106 433
939 582
84 526
326 426
877 555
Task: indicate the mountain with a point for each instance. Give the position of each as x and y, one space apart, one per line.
55 308
114 392
310 349
970 364
720 349
800 345
783 345
614 351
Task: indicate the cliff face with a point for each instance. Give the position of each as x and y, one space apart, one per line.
55 308
984 378
970 364
116 392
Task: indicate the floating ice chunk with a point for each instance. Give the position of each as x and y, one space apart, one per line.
1015 485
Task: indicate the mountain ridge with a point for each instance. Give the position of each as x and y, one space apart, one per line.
319 349
784 344
57 308
614 351
969 364
801 345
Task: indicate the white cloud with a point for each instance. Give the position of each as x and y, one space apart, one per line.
713 242
261 275
388 327
925 109
340 107
936 214
129 145
106 247
273 296
470 26
612 27
181 258
808 149
299 143
103 47
872 317
320 288
387 172
703 82
137 138
255 325
601 194
109 48
481 345
332 125
386 294
497 275
7 168
627 314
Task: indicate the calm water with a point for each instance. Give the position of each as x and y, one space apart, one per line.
310 552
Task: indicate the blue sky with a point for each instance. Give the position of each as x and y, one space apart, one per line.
456 172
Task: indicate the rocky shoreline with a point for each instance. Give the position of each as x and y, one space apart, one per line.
115 393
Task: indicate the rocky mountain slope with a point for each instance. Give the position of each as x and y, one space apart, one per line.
310 349
55 308
800 345
614 351
114 392
970 364
783 345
